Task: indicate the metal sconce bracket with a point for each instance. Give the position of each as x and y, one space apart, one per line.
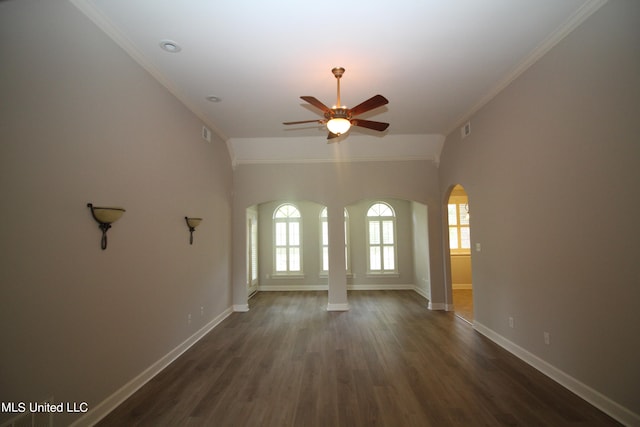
105 217
192 223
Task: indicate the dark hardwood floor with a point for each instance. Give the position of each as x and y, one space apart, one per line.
388 361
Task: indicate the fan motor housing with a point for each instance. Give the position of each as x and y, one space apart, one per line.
338 113
338 72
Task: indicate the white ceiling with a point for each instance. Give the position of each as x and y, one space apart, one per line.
437 61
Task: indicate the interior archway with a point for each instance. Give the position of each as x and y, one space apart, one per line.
459 232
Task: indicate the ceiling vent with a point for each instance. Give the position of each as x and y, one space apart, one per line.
465 130
206 134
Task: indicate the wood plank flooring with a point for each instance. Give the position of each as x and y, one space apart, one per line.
387 362
463 303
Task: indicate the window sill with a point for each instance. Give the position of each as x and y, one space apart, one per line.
381 274
325 275
287 276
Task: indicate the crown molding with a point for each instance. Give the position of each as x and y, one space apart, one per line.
102 22
577 18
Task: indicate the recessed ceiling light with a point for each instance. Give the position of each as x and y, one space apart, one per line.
213 98
170 46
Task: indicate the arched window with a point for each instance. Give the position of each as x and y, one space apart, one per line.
324 241
381 239
287 240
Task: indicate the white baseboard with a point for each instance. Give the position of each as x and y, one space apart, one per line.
422 292
359 287
383 287
440 306
103 408
240 308
337 307
597 399
280 288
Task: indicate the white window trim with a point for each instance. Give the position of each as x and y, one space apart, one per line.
287 274
382 273
458 251
252 250
322 219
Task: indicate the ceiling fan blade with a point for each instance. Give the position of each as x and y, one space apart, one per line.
313 101
303 121
369 104
379 126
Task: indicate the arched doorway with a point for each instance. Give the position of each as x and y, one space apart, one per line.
460 252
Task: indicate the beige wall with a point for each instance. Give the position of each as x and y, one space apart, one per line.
421 249
404 244
412 247
461 271
341 185
549 168
309 212
81 122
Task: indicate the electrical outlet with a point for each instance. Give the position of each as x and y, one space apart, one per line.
189 319
201 311
547 338
511 322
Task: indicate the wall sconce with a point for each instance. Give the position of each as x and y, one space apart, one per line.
105 217
192 223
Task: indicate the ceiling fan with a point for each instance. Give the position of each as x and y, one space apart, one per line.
339 119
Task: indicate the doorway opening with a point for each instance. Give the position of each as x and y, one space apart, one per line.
460 252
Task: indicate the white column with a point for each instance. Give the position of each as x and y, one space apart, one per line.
337 263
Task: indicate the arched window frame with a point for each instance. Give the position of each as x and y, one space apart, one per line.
252 248
324 242
382 242
287 240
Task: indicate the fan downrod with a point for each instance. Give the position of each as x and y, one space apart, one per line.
338 72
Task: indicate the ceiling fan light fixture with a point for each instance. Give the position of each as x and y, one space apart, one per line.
338 125
339 119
